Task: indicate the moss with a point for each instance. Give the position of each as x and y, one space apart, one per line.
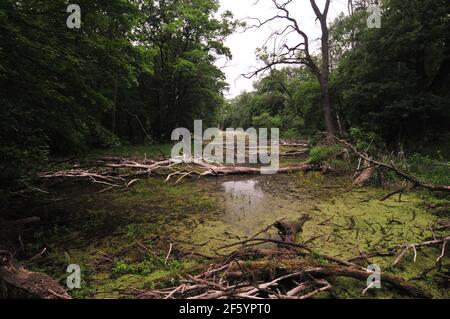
149 265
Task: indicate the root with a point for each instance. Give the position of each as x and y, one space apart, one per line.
289 231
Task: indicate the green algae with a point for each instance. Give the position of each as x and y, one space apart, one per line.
100 230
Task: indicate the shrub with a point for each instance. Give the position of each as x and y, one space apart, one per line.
321 153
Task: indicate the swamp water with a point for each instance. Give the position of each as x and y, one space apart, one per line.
116 236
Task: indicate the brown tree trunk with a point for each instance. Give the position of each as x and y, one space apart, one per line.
289 231
326 107
325 69
114 110
18 282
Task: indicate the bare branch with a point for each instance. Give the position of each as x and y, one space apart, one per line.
285 54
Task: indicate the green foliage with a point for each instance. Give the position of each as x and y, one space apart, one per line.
185 39
133 69
290 134
362 139
54 81
265 120
393 80
103 138
322 153
286 98
389 84
138 69
434 170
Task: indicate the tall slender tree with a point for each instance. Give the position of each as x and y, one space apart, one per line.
300 52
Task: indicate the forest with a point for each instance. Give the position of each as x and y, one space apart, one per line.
93 204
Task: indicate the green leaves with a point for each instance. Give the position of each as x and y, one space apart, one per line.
384 82
55 82
185 39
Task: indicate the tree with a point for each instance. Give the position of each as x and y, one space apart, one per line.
134 67
299 53
392 82
184 39
290 95
55 82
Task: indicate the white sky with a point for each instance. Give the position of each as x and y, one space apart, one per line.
243 45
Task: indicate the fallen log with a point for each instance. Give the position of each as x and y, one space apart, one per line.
294 153
414 180
236 170
110 178
294 143
289 231
17 282
261 270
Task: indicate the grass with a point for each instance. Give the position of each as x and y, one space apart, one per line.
322 153
434 170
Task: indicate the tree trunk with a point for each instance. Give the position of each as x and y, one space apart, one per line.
325 74
114 110
326 106
289 231
17 282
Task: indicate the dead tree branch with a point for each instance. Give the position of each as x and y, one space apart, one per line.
21 283
414 180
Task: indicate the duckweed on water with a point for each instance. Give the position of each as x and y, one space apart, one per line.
212 212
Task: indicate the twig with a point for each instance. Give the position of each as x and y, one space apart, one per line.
36 256
443 252
370 287
168 254
59 295
399 191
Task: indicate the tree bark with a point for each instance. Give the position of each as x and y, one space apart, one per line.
17 282
326 106
325 68
289 231
301 55
114 110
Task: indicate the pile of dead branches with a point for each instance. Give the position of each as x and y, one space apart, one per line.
115 172
262 268
259 267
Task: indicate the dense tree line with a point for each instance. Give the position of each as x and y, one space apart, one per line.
135 70
392 81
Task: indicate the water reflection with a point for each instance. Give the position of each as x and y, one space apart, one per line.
244 199
247 188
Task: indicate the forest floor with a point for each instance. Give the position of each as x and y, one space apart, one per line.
134 239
